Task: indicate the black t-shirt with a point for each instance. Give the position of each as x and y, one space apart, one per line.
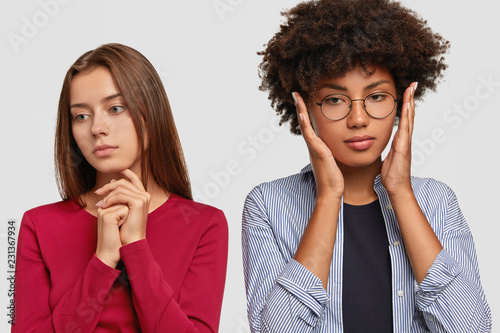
367 283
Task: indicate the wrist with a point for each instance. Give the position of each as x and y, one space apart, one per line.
109 260
401 195
328 200
401 187
130 240
329 195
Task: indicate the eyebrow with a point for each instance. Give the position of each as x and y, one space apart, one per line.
105 99
332 86
342 88
376 84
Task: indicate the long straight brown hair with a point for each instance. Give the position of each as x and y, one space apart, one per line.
147 102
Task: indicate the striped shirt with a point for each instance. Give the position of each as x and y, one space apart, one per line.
283 296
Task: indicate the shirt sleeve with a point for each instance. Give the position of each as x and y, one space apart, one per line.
198 308
32 289
282 295
451 296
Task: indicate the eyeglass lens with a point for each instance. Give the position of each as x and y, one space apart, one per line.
377 105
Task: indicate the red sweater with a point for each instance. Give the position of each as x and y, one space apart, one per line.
174 279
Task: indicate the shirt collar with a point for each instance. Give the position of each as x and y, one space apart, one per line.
377 182
306 169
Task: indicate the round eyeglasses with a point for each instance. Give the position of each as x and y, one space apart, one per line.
337 106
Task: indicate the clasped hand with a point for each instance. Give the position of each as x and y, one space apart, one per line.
121 216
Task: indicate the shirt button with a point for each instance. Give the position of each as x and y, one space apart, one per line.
401 293
396 243
388 206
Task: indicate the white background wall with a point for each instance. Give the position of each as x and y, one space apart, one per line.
205 51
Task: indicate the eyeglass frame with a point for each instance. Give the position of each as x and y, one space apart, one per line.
354 100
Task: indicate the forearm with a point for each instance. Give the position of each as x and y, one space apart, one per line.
80 304
197 309
292 301
282 295
452 300
421 243
152 296
80 307
292 308
316 245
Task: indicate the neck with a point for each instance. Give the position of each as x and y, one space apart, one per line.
358 182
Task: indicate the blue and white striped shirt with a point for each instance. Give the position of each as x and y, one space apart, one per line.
283 296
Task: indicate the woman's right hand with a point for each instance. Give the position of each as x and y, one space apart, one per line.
109 221
329 179
316 246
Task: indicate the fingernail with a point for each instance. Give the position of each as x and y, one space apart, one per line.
99 204
98 190
416 86
113 180
294 99
301 118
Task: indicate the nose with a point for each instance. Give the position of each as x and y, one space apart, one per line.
358 117
100 125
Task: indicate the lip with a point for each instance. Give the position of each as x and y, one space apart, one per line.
104 150
360 142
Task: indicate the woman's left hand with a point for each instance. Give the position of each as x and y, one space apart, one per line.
396 169
129 192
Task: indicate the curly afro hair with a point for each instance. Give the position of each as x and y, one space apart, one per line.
329 37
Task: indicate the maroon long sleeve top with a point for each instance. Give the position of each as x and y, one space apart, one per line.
172 281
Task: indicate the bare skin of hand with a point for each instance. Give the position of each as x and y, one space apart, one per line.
316 245
396 169
421 243
329 179
122 216
131 193
109 221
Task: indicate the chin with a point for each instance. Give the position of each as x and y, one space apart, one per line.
111 169
106 171
359 162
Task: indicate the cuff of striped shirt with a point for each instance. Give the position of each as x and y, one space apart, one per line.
304 285
439 276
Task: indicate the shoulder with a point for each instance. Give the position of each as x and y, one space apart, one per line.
281 201
286 187
52 210
431 188
440 205
50 219
433 196
190 211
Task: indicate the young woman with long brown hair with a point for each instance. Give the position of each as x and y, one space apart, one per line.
127 249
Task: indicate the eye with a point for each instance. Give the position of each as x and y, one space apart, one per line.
116 109
377 97
81 117
335 100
